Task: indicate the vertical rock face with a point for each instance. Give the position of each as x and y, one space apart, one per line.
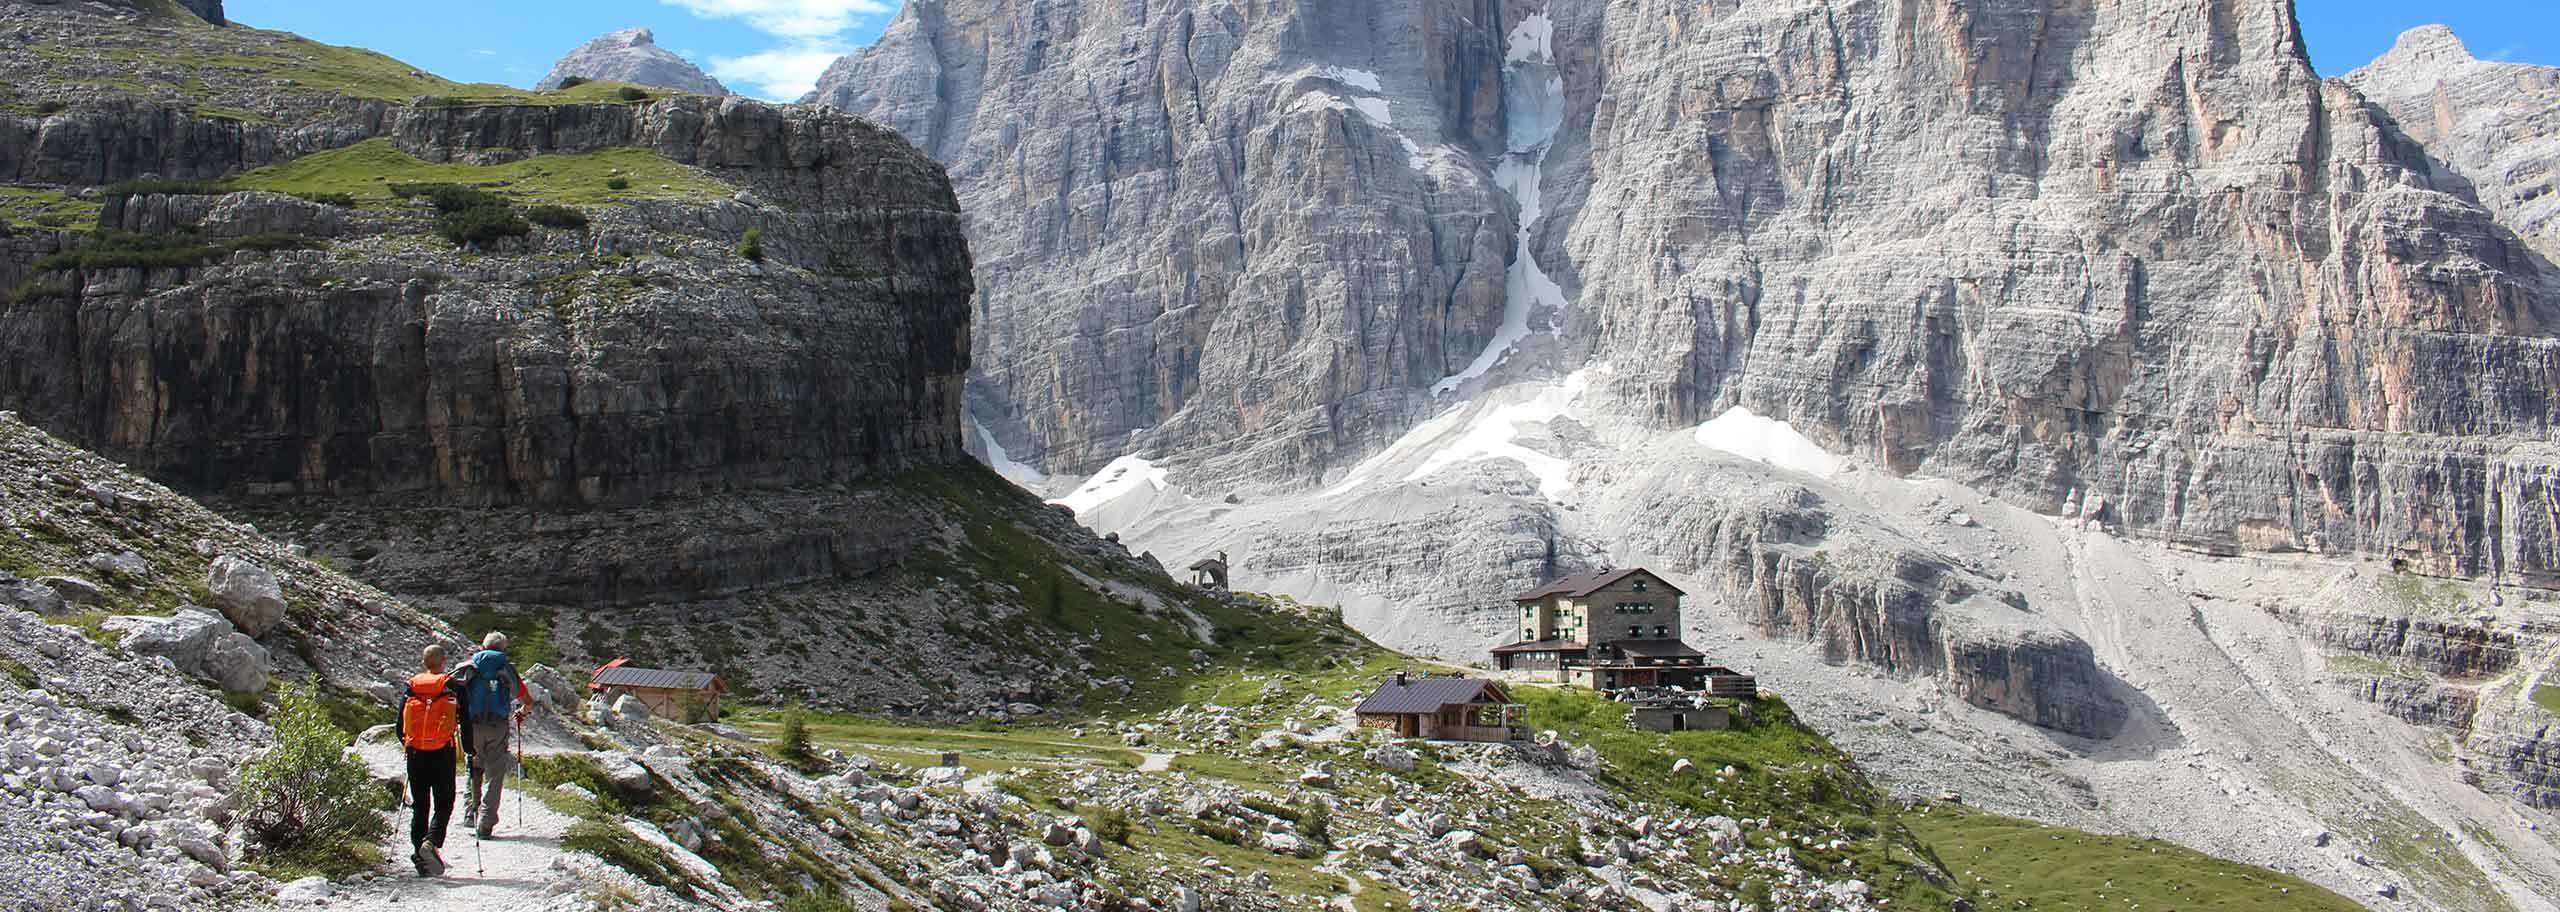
1261 233
631 55
2133 262
563 378
2493 125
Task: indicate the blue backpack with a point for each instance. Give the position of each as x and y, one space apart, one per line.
491 695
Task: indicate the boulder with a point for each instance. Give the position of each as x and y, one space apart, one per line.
76 590
181 638
238 663
246 593
625 772
29 595
1317 776
564 695
629 709
1279 843
123 565
1392 756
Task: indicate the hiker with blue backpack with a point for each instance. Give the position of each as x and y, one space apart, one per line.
493 698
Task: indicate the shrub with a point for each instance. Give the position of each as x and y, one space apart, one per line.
628 93
1112 824
571 82
109 249
1315 820
305 798
467 216
56 106
340 200
793 743
616 183
35 288
752 246
550 216
440 101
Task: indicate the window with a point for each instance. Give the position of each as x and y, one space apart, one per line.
1635 631
1635 607
1661 632
1639 586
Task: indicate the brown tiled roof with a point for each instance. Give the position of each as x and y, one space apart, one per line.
1582 584
1419 694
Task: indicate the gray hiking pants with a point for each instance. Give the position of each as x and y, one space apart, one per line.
490 765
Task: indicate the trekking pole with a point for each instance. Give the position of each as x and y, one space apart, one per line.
518 744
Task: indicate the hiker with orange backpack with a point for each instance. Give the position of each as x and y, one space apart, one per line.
428 723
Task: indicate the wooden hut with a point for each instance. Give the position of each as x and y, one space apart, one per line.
684 696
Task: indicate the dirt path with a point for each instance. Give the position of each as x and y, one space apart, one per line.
511 873
1154 762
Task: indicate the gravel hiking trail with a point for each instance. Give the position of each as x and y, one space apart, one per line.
518 865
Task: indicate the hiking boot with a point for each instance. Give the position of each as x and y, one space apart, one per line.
488 829
418 859
430 861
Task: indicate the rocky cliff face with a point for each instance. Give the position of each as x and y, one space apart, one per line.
2178 324
631 55
495 380
2494 126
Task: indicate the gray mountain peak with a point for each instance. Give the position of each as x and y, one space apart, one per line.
631 55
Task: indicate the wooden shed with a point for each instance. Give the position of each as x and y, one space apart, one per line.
1444 708
684 696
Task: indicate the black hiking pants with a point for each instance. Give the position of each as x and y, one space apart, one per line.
430 790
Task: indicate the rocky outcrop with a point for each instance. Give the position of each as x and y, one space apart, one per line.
631 55
1273 230
2454 648
2492 125
2418 700
312 374
1781 559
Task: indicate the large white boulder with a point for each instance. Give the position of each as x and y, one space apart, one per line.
246 593
630 709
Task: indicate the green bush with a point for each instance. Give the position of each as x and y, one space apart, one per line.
571 82
35 288
111 249
752 246
550 216
440 101
52 107
628 93
617 183
1111 823
1315 820
467 216
340 200
793 743
305 798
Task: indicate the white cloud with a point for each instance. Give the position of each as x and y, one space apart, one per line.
485 52
800 20
781 74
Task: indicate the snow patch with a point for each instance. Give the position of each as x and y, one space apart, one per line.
1533 105
1492 433
1768 441
1359 79
1022 475
1124 475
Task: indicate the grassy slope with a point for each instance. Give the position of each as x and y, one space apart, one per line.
368 169
2061 870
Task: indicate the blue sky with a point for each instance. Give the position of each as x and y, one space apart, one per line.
767 48
776 48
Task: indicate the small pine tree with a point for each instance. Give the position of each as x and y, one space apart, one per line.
1315 819
305 795
1112 824
752 245
1054 604
617 183
793 744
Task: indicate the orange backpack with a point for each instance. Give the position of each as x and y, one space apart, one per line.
427 715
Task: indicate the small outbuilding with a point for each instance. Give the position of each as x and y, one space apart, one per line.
1445 708
684 696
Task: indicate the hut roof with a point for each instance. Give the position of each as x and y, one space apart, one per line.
621 675
1582 584
1430 694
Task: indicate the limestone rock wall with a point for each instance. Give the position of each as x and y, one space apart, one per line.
2491 124
588 376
